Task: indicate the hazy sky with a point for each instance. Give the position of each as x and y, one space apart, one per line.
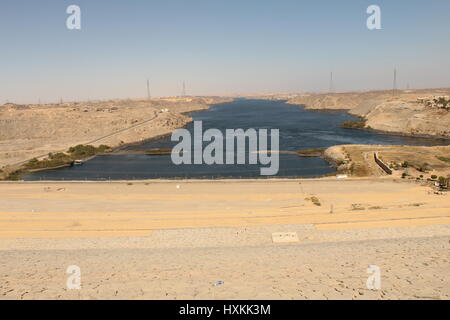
217 47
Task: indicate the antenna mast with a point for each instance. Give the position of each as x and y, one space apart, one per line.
331 82
394 88
183 93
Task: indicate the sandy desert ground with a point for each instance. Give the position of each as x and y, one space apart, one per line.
176 239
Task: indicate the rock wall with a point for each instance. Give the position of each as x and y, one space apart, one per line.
404 113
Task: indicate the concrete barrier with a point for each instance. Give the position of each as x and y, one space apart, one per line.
382 164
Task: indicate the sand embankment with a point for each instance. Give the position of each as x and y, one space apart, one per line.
402 113
28 131
175 240
112 209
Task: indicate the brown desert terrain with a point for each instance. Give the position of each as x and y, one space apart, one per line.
411 112
175 240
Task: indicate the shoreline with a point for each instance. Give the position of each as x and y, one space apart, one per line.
410 113
161 136
209 180
20 166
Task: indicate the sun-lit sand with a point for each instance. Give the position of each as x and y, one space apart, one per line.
174 239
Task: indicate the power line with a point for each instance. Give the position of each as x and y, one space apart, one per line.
148 89
331 82
394 87
183 92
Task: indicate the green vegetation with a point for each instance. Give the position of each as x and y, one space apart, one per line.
316 152
443 181
442 102
434 177
394 166
61 159
423 168
58 160
53 161
405 164
158 151
354 124
15 175
83 151
445 159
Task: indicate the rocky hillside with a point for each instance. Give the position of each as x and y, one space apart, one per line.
412 112
28 131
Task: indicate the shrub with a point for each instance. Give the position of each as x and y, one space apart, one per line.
354 124
80 151
442 102
15 175
443 181
83 151
423 167
434 177
61 159
445 159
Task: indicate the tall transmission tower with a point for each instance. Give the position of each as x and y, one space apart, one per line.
394 87
183 92
331 82
148 89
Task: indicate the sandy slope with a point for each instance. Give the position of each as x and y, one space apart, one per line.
172 240
47 210
411 268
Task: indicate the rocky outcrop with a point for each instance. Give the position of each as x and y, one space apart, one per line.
407 118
